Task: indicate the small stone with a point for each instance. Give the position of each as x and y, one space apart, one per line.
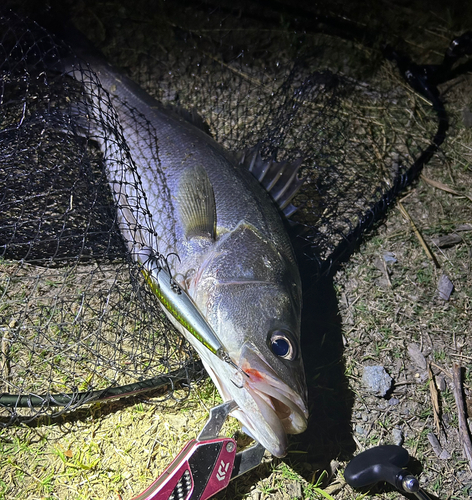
393 401
359 430
397 436
377 380
389 257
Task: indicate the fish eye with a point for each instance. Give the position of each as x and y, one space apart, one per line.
282 345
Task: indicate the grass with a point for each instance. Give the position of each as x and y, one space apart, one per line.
101 456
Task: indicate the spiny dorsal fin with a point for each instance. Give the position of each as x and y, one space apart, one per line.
196 204
278 178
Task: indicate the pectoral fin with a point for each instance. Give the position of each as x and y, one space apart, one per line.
196 204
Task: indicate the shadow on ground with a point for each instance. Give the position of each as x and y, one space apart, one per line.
330 400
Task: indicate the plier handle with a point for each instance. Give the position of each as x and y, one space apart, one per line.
206 464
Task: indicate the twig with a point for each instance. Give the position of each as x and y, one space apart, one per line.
386 273
418 235
442 369
412 192
463 428
435 400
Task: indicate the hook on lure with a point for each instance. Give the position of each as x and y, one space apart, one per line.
181 306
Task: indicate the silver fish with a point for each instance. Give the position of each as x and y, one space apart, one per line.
189 197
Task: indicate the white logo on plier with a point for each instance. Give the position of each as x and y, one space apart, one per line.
222 470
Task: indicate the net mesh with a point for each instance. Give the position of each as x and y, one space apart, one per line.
77 320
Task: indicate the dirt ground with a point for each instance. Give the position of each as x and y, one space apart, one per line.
383 307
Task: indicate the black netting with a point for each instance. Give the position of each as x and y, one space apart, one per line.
76 318
75 314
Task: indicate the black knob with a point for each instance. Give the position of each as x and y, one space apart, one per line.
382 463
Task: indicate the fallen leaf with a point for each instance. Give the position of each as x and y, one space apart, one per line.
445 287
444 187
440 452
417 356
448 240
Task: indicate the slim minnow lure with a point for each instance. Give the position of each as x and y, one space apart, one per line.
182 307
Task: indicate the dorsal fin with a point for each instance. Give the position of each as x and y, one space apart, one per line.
280 179
196 204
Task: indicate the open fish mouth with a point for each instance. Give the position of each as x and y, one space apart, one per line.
268 408
282 407
279 408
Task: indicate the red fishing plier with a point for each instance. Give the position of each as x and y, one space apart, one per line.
205 465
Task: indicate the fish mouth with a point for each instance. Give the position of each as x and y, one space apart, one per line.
268 408
283 408
279 408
